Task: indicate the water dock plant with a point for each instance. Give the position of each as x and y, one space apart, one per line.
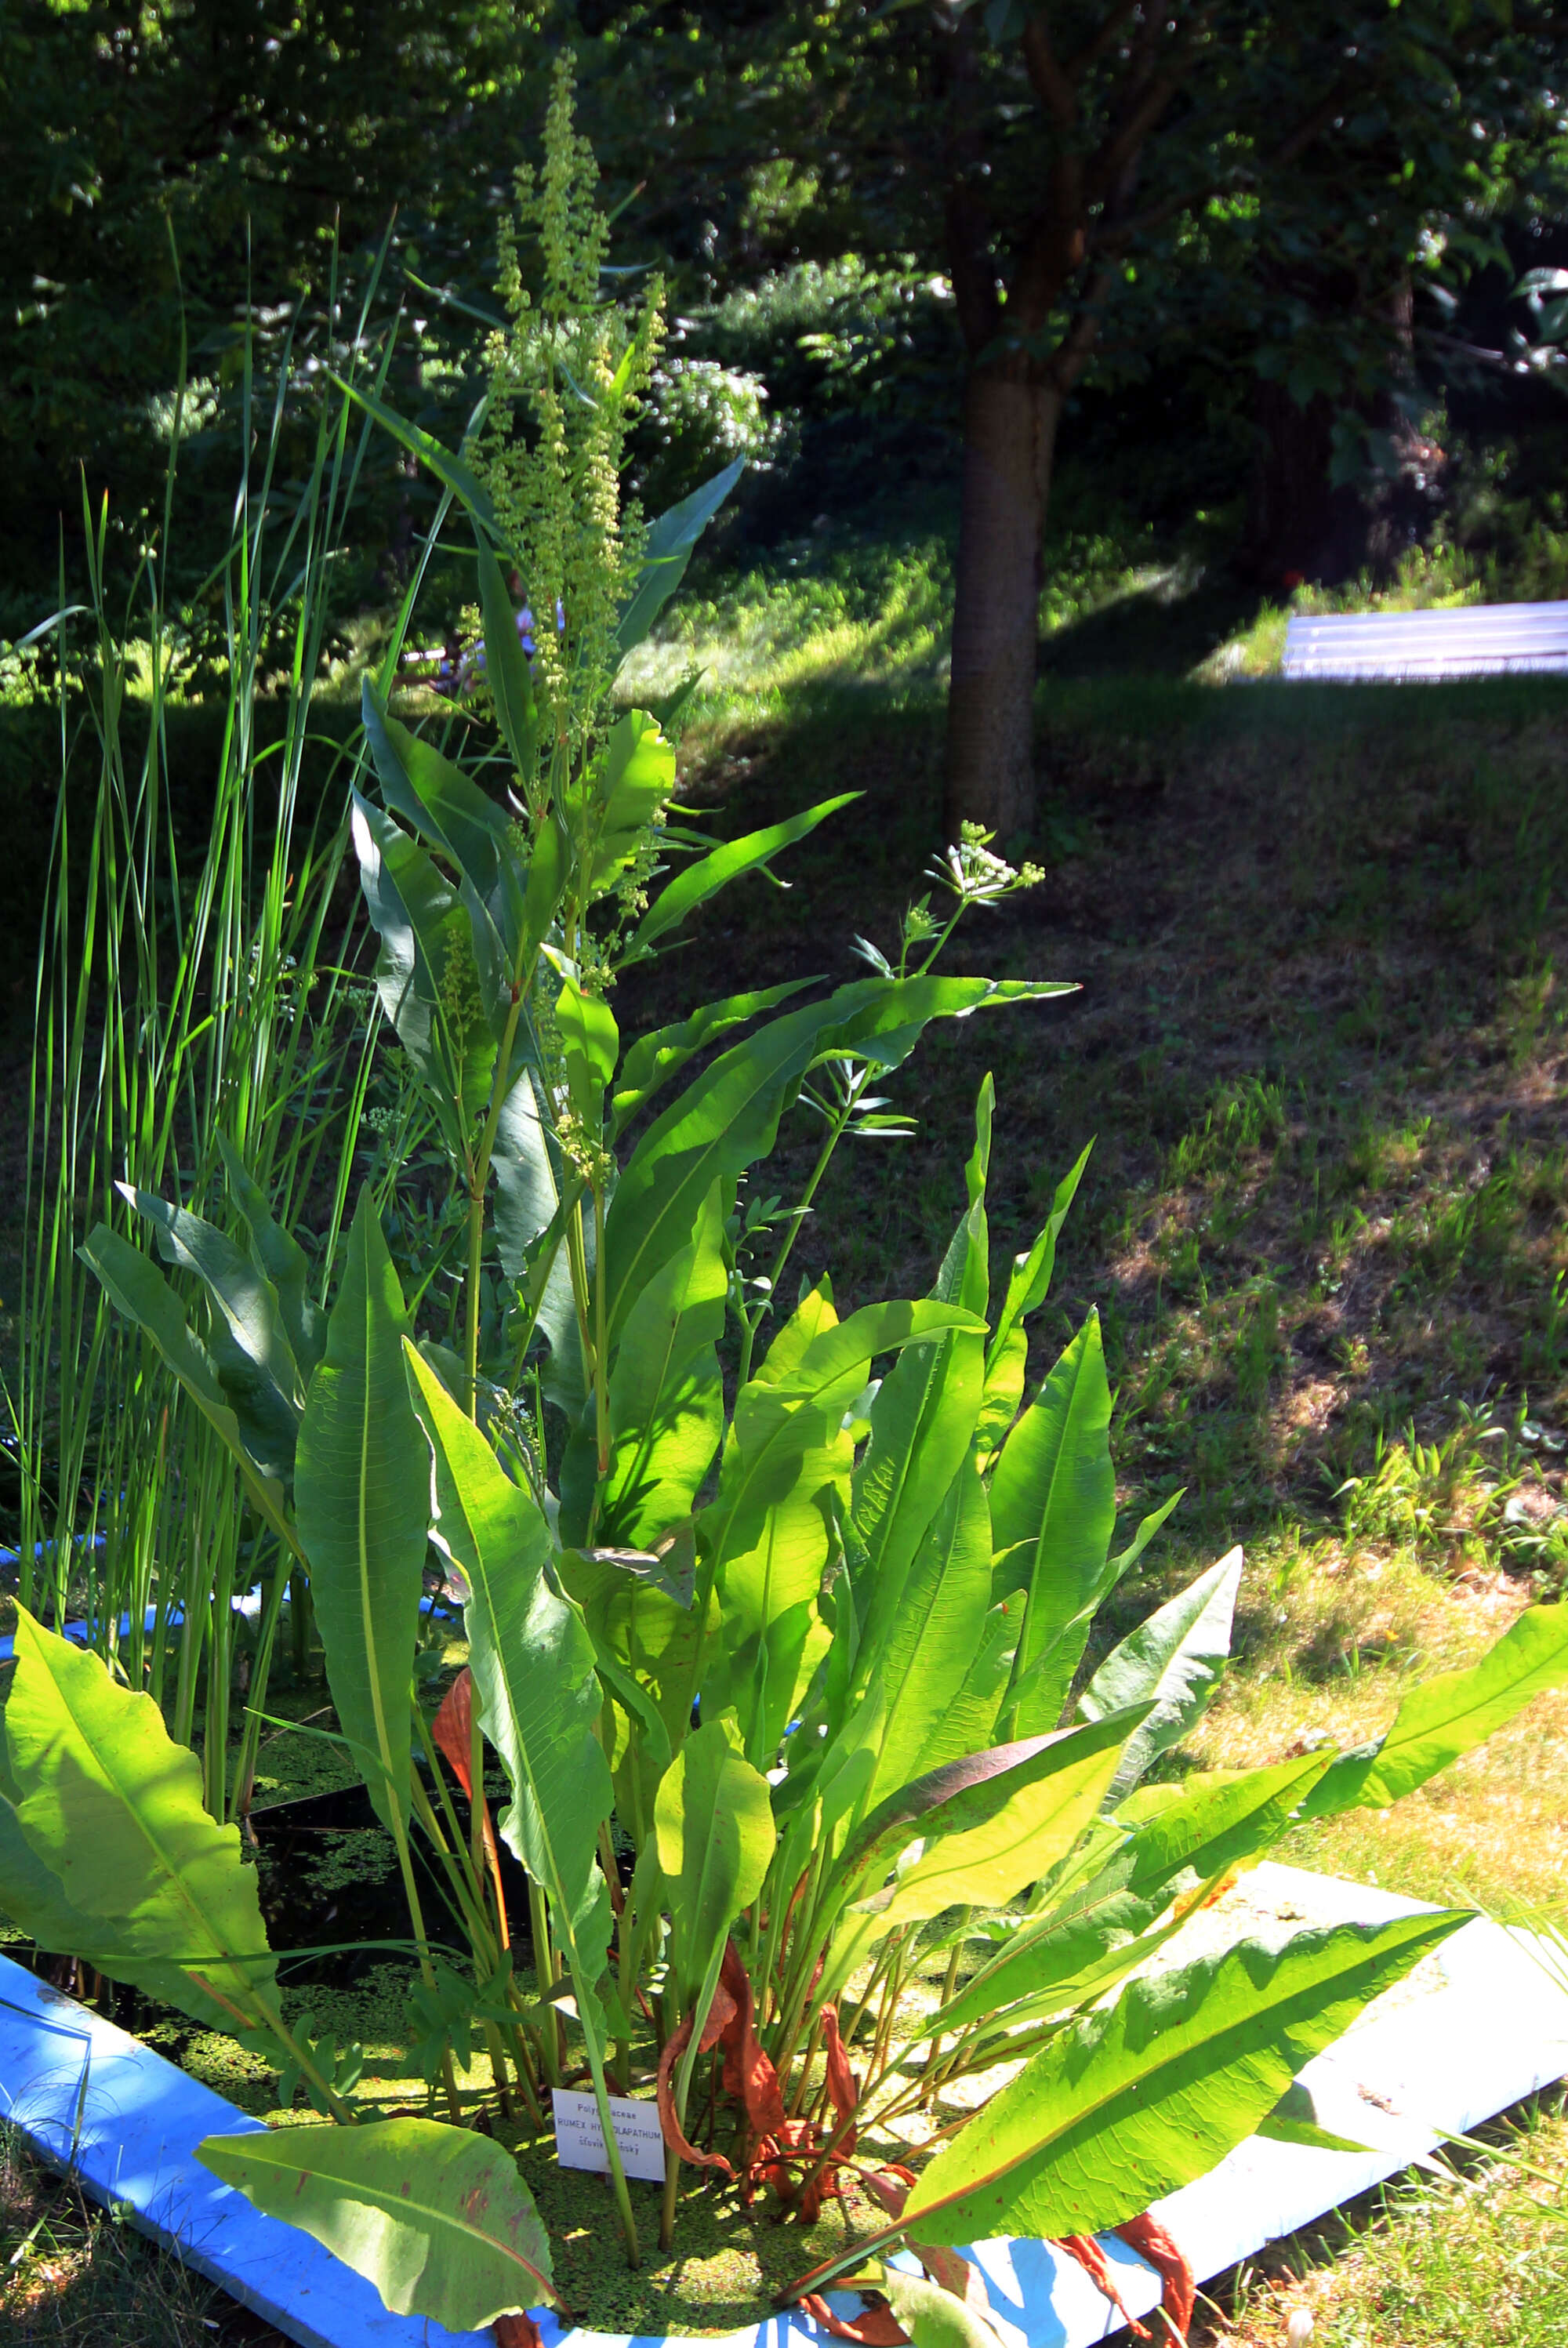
775 1620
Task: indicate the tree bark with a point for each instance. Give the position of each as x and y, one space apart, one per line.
1010 439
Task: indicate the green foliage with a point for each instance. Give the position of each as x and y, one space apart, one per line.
798 1602
438 2220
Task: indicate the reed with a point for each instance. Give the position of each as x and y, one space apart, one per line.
186 1007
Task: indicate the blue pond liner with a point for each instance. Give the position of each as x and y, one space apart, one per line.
1475 2028
249 1606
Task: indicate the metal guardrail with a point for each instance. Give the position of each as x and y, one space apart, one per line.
1476 640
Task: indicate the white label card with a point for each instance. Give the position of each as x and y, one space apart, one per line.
580 2139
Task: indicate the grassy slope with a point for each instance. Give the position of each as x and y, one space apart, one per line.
1320 1042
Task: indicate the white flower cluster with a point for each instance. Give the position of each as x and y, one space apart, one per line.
976 874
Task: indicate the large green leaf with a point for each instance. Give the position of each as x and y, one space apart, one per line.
1449 1715
666 1394
139 1291
1053 1510
784 1477
1206 1828
249 1343
692 887
1211 1827
532 1663
713 1821
666 554
437 2218
1172 1661
112 1808
920 1665
628 784
1132 2101
1057 1965
363 1500
730 1116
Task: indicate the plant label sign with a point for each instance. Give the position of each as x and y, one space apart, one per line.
580 2139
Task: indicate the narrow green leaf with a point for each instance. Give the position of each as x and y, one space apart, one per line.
1053 1486
469 828
1174 1661
1029 1282
426 936
437 2218
699 882
921 1664
1132 2101
666 1394
668 550
111 1808
1210 1827
362 1495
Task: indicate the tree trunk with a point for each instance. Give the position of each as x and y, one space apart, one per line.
1009 435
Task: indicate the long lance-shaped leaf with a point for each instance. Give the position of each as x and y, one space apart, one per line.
920 1665
1175 1659
667 1400
692 887
1449 1714
714 1822
1131 2102
667 551
437 2218
921 1433
1053 1511
965 1793
250 1350
111 1808
1028 1283
532 1665
140 1291
765 1533
654 1059
362 1498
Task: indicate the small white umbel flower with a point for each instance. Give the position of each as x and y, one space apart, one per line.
1298 2331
